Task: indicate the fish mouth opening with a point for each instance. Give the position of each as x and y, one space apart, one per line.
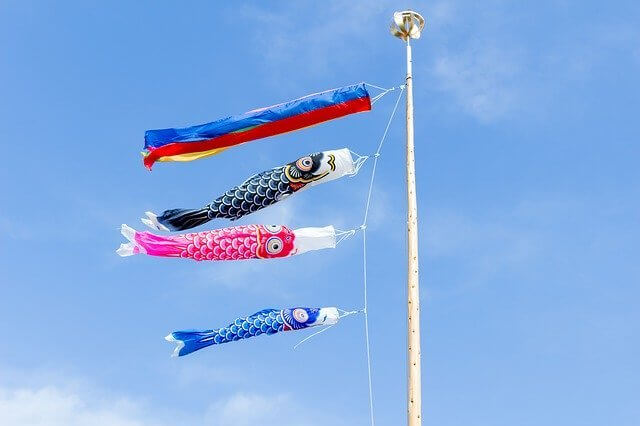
328 316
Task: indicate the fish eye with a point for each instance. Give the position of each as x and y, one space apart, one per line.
274 229
300 315
305 163
274 245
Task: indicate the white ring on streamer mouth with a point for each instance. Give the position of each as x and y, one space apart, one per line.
308 239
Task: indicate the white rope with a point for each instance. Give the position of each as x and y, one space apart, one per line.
358 163
341 314
312 335
366 324
377 97
377 155
384 92
377 87
363 227
356 154
342 235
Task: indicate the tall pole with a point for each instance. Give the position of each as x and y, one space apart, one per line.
407 25
414 396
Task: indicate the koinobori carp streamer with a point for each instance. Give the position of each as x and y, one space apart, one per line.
233 243
267 321
191 143
260 190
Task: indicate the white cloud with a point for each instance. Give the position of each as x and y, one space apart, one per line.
14 230
71 405
496 240
244 409
481 69
55 406
82 214
307 35
482 79
452 234
61 406
483 247
493 70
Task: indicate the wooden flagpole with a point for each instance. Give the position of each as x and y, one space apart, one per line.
407 25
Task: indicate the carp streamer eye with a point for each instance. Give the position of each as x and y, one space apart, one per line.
300 315
274 229
274 245
304 164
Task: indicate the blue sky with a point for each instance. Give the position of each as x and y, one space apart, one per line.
527 147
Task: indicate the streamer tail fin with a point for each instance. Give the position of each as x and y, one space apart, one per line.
190 341
132 247
177 219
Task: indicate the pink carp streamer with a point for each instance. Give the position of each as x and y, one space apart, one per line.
233 243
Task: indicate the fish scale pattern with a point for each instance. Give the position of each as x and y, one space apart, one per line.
259 191
233 243
268 321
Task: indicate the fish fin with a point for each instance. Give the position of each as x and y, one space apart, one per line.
181 219
125 250
190 341
152 222
132 247
179 345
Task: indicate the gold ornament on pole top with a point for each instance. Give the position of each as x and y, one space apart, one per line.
407 24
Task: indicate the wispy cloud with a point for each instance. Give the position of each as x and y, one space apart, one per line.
15 230
482 78
485 246
82 214
244 409
482 70
250 408
67 402
493 77
55 406
196 373
296 34
526 238
494 241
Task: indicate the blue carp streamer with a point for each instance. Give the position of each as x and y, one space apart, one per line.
267 321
